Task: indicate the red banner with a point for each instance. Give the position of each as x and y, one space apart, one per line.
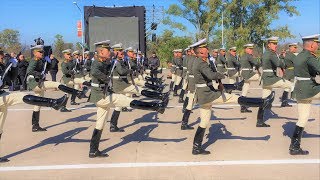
79 28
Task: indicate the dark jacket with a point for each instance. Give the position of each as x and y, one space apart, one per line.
54 64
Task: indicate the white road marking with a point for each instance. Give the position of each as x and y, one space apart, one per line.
161 164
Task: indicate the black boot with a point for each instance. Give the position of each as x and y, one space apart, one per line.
256 102
240 85
171 85
72 91
197 142
35 122
295 148
175 90
153 106
284 99
185 119
2 159
64 107
94 145
155 95
155 87
260 120
47 102
181 96
185 104
84 92
114 122
244 109
73 100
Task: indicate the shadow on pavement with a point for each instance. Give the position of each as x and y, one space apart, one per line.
75 119
289 127
219 131
66 137
142 134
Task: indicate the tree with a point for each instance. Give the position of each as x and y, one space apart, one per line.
165 44
245 20
9 39
58 46
201 14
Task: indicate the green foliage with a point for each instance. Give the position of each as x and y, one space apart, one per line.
165 44
244 20
58 46
9 39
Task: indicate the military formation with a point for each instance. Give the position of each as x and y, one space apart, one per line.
117 75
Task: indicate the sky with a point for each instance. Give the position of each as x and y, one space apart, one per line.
46 18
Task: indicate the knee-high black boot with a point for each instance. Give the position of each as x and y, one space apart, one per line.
158 88
236 86
197 142
295 148
72 91
64 107
2 159
73 100
94 145
152 106
155 95
171 85
47 102
175 90
114 122
185 120
284 99
35 122
181 96
260 119
185 104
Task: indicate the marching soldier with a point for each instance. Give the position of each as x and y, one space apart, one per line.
248 63
221 61
178 62
36 82
7 99
233 65
270 63
121 85
104 95
207 95
306 67
87 66
288 60
184 74
215 53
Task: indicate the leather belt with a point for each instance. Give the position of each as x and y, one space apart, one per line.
118 77
192 76
302 78
97 85
268 70
204 85
247 69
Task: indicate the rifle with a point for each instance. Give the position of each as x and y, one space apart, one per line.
108 84
131 76
280 71
238 68
5 73
220 86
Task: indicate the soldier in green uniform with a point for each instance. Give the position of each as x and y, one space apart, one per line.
248 63
306 67
184 74
78 76
87 66
105 97
221 61
207 96
173 70
270 79
288 60
36 82
215 53
233 65
121 85
178 62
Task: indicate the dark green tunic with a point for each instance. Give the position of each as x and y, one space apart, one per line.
121 71
306 65
270 61
35 69
99 71
203 74
191 82
221 64
247 62
67 70
289 68
184 64
232 62
179 66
